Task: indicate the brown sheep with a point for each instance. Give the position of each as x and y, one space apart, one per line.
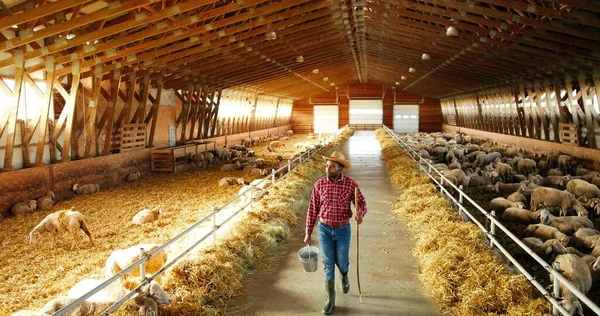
550 197
556 181
576 271
566 224
583 188
24 207
60 221
247 142
274 145
123 258
567 163
147 216
228 181
521 195
526 166
46 201
546 248
500 204
504 170
86 188
591 205
584 238
545 232
134 176
520 215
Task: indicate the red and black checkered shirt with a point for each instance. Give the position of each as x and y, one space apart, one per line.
331 200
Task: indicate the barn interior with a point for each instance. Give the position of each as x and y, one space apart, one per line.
126 96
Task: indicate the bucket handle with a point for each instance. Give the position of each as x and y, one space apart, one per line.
308 249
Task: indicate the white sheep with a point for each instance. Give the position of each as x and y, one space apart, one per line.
546 248
147 216
115 291
520 195
545 232
580 188
86 188
223 154
61 221
197 159
585 237
526 166
29 313
24 207
46 201
247 142
230 167
566 224
122 258
256 172
208 157
274 145
229 181
134 176
576 271
289 132
520 215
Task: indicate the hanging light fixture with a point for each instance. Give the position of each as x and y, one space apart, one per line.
411 69
397 83
425 56
326 79
451 31
402 78
315 71
332 84
271 35
300 59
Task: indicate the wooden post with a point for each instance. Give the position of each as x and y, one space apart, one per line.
91 146
70 110
138 117
575 109
11 124
45 111
153 115
591 134
216 108
554 109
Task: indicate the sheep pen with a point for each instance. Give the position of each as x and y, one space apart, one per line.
456 267
35 274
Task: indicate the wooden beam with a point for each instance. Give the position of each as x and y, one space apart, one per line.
47 8
45 111
589 119
109 112
13 110
70 110
153 115
138 117
91 147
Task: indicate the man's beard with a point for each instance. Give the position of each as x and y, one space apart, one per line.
333 175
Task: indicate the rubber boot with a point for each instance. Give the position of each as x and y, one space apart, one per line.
345 283
330 302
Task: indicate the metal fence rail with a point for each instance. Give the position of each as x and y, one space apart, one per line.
290 166
494 223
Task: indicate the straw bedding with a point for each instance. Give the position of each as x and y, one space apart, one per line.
34 274
456 267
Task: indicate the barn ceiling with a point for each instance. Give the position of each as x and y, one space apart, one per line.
301 47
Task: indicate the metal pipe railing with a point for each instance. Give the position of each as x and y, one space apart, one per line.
494 223
215 228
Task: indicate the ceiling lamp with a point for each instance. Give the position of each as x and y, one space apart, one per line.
425 56
315 71
326 79
397 83
411 69
271 35
332 84
451 31
403 78
300 59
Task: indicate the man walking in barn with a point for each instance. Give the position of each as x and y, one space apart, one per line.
330 202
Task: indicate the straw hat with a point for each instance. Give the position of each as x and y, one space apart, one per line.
338 157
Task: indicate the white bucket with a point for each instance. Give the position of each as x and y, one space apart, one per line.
308 256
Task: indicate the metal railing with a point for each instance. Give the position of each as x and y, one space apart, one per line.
366 127
290 166
494 223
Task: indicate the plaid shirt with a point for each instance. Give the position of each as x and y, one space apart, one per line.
331 200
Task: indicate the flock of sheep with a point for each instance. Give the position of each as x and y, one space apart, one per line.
554 194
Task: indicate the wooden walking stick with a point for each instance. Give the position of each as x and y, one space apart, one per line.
357 244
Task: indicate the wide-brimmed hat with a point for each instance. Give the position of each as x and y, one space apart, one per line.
338 157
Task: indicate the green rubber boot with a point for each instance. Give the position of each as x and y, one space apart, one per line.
345 283
330 302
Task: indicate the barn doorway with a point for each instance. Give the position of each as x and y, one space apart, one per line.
366 112
406 118
326 119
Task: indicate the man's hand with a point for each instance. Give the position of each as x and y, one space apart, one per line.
307 239
358 219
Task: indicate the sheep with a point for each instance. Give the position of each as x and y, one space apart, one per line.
256 172
585 237
255 141
542 168
454 165
83 309
122 258
459 175
566 163
86 188
520 215
197 159
566 224
247 142
556 198
526 166
250 153
148 305
208 157
555 172
546 248
477 181
60 221
289 132
552 159
230 167
520 195
274 145
591 205
247 193
29 313
223 154
134 176
556 181
115 291
504 170
484 159
248 166
576 271
240 148
507 188
235 154
24 207
583 188
500 204
545 232
46 201
147 216
228 181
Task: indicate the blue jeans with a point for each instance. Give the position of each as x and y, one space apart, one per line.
335 248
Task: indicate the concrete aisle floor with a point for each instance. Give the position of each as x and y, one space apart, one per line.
388 271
